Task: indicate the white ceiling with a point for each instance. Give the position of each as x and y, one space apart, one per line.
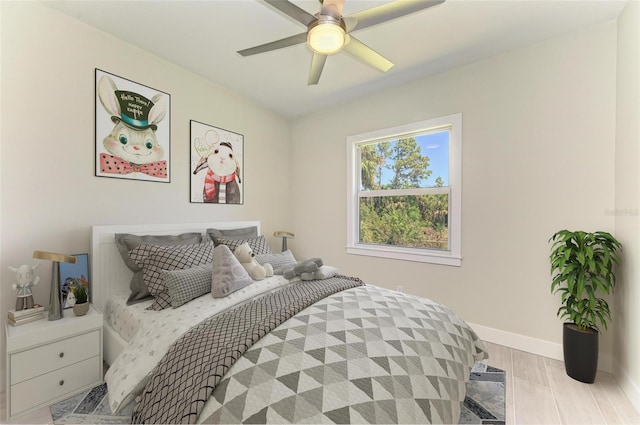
203 37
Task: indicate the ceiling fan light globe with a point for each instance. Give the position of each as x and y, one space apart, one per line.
326 38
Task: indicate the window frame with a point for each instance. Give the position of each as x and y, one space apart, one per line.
450 257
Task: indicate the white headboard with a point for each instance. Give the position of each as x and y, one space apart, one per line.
110 275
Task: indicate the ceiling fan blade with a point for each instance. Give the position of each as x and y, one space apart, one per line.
317 63
293 11
332 8
369 56
386 12
274 45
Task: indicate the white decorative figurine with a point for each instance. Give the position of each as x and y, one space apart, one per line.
71 299
26 280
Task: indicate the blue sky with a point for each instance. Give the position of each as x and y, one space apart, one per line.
436 147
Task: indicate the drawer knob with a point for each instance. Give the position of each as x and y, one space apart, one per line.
61 355
62 382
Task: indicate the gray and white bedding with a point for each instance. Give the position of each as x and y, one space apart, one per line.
195 364
363 355
125 319
353 354
130 372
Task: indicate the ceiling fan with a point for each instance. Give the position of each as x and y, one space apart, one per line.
328 32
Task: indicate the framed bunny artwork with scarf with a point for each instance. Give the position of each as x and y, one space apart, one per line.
133 130
216 165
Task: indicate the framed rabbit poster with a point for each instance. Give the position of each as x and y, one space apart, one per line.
216 165
133 130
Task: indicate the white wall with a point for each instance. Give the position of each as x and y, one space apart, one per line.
50 196
627 308
538 156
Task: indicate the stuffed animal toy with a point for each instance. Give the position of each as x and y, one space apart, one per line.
244 254
310 265
323 272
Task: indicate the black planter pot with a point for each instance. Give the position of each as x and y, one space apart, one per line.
580 352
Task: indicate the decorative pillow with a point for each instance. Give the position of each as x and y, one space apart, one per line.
125 242
241 233
258 245
277 261
152 259
228 274
188 284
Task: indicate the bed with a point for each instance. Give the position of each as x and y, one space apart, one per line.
340 351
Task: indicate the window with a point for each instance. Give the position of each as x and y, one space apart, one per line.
404 195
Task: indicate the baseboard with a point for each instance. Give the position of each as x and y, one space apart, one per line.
630 388
531 345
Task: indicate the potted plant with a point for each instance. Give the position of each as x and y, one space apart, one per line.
582 266
81 307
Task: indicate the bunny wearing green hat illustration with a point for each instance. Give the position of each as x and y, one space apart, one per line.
132 145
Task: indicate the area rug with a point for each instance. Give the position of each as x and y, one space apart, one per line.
485 401
484 404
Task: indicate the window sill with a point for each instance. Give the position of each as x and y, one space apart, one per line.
406 254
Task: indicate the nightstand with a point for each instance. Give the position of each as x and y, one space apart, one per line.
48 361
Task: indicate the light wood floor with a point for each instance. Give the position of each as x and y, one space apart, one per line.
538 392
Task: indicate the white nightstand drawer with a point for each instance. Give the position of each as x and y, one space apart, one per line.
46 358
35 369
54 385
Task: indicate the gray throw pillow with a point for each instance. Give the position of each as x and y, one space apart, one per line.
228 274
125 242
258 245
153 259
187 284
277 261
240 233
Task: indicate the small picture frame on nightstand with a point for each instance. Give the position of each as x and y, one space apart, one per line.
74 274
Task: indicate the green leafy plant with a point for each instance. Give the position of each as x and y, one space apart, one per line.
583 264
80 292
